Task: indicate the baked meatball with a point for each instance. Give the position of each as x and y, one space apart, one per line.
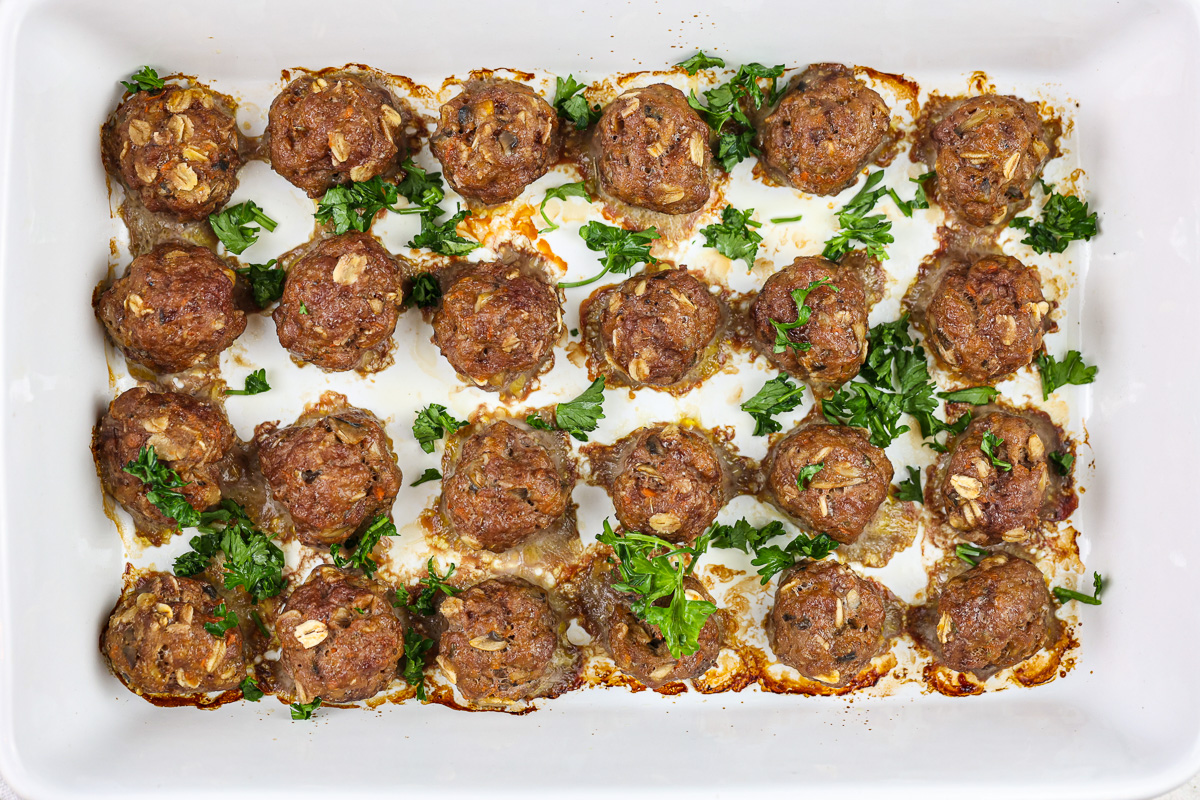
825 129
176 148
190 436
497 325
339 637
340 304
827 622
501 641
173 309
993 616
494 139
986 318
156 642
651 150
990 150
333 472
638 647
656 327
333 129
831 347
505 486
668 481
986 503
841 498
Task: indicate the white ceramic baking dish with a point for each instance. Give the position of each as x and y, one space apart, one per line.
1124 724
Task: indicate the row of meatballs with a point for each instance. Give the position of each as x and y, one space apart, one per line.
179 150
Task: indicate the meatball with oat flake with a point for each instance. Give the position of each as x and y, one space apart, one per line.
156 642
176 148
173 309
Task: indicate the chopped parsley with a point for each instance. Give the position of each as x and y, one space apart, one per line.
909 489
725 110
302 711
251 560
434 584
162 487
353 206
573 106
577 416
919 200
1066 595
256 383
773 559
969 553
622 249
734 236
431 424
743 536
424 190
412 668
976 395
442 237
777 396
1062 461
361 557
238 226
783 339
430 474
425 291
873 231
303 309
225 621
144 80
1071 370
806 474
266 282
699 62
561 193
991 446
1064 219
250 690
782 220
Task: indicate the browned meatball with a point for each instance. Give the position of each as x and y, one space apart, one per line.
831 347
497 325
333 472
340 638
656 327
827 622
501 641
993 616
340 304
156 641
188 435
844 495
984 502
669 482
825 129
176 148
638 647
990 150
173 309
986 319
505 486
651 150
494 139
334 129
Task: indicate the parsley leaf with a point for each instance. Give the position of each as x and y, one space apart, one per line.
443 238
266 282
578 189
782 220
573 106
1071 370
256 383
412 668
990 446
622 249
909 489
425 291
806 474
251 560
582 414
361 557
162 485
250 690
919 200
432 423
743 536
421 188
783 340
353 206
430 474
725 111
970 553
976 395
777 396
699 62
733 237
1065 595
238 226
225 621
773 559
1063 461
144 80
434 584
872 231
302 711
653 569
1064 219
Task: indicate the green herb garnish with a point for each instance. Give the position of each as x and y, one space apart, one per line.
252 561
782 329
777 396
773 559
577 416
806 474
144 80
256 383
266 282
1066 595
425 292
1064 219
434 584
225 621
969 553
1062 461
573 106
238 226
432 423
162 487
361 557
734 237
443 238
699 62
302 711
412 668
990 445
562 193
976 395
1071 370
430 474
725 111
622 249
250 690
855 225
909 489
743 536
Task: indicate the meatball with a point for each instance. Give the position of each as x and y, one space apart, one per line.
339 637
177 149
638 647
156 642
990 150
340 304
188 435
668 481
506 486
987 503
840 498
331 130
333 472
986 318
173 309
827 622
830 348
993 616
501 641
656 327
497 326
825 129
494 139
651 151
